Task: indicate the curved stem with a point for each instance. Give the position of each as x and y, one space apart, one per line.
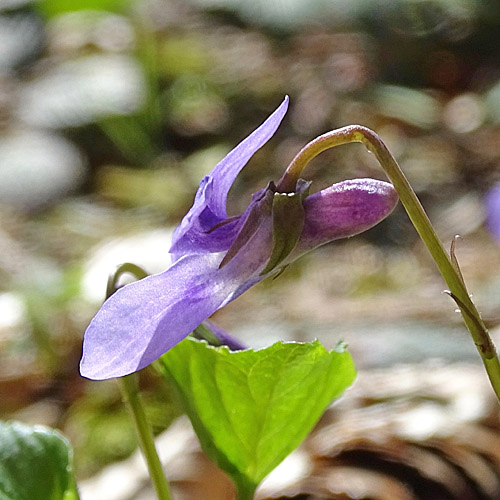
126 268
130 390
412 205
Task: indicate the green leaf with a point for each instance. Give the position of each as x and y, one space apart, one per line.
250 409
35 464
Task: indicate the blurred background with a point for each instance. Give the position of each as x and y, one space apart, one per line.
111 111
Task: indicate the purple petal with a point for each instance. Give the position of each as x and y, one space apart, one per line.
141 321
493 212
225 338
209 207
344 209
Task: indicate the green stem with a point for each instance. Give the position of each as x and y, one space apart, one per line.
244 495
126 268
131 394
245 491
130 390
452 276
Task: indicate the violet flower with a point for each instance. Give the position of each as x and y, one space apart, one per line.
493 211
216 258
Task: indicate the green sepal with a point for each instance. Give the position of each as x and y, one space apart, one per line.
288 222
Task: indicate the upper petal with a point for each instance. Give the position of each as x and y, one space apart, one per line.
209 207
344 209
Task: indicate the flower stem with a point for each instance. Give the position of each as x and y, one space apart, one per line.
130 391
412 205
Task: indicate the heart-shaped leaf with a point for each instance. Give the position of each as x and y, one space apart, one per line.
250 409
35 464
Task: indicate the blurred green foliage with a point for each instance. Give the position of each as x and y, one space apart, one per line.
51 8
36 463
